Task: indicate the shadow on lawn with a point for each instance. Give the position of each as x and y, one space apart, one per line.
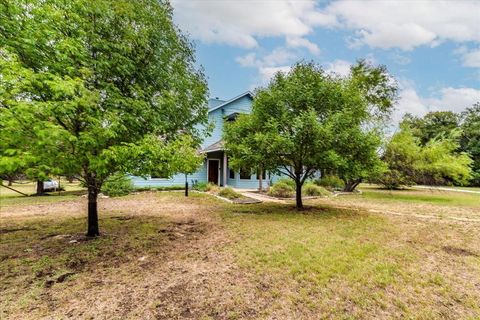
320 211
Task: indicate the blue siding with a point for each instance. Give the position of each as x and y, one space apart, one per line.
178 179
219 109
215 117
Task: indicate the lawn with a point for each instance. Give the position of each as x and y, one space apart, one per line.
169 257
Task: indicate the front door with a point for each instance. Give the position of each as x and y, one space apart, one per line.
213 171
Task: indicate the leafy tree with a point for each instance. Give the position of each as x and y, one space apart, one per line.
359 133
402 155
301 122
437 162
433 125
243 152
102 86
470 138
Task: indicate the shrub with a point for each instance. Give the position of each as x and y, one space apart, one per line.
168 188
200 186
281 189
311 189
229 193
288 181
211 187
330 182
117 185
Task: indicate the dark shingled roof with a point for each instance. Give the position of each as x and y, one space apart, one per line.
217 146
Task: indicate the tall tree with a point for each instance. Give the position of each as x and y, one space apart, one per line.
470 139
436 163
97 80
302 121
435 124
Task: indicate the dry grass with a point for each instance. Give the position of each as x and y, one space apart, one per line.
163 256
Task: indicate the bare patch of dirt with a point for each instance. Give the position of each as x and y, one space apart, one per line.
188 275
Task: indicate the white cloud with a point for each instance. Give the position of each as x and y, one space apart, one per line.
338 67
239 23
453 99
471 58
407 24
279 59
446 99
400 59
297 42
382 23
266 73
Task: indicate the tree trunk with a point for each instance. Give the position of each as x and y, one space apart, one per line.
92 212
10 182
186 186
298 195
351 185
40 190
260 187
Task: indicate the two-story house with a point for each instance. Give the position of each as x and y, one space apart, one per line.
215 166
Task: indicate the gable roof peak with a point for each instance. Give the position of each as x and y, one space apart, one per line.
246 93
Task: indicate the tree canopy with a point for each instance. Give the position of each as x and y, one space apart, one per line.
306 120
436 163
470 139
98 87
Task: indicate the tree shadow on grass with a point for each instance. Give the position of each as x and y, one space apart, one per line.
289 210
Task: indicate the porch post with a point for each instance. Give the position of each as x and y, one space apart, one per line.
225 169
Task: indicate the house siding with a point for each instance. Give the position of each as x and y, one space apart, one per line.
219 109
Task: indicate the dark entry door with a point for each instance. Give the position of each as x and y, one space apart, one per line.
213 171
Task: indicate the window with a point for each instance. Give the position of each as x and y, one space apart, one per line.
263 175
245 174
158 176
231 174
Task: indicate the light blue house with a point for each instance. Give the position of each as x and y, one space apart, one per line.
215 166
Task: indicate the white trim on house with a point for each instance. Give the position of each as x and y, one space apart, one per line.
248 93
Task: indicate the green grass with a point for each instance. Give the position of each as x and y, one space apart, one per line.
325 259
421 196
318 263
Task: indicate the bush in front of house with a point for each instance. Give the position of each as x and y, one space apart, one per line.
117 185
282 189
200 186
312 190
205 187
211 187
229 193
330 182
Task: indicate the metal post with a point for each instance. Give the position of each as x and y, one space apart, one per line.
225 169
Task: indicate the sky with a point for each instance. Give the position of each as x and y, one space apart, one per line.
432 48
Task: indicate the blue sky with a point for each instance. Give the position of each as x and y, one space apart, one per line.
432 48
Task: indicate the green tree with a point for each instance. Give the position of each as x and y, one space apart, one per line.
359 133
402 156
243 151
436 163
103 86
470 139
434 124
301 122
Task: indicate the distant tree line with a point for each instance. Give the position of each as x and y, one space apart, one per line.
441 148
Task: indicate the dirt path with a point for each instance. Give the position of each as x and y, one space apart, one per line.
259 197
